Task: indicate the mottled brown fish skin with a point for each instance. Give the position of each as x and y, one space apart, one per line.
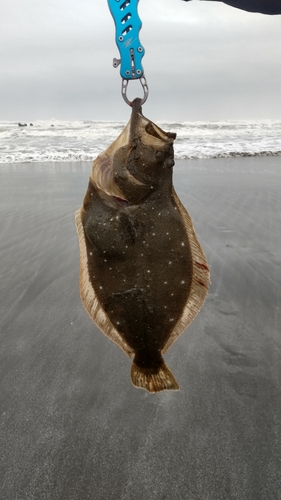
148 276
140 266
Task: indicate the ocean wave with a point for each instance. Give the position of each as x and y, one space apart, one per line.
59 141
44 157
76 156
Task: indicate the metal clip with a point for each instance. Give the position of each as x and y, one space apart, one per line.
124 86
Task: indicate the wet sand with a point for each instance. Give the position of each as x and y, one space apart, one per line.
72 425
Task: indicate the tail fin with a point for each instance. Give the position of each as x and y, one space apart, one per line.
153 381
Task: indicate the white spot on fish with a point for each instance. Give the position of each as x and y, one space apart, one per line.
148 271
182 282
182 244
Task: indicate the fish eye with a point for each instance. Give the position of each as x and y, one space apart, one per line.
169 163
159 154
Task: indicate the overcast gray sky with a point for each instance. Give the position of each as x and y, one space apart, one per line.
203 61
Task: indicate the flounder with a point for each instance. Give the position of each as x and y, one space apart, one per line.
143 274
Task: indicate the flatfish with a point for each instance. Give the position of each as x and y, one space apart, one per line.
143 274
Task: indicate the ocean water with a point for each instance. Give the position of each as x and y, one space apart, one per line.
51 141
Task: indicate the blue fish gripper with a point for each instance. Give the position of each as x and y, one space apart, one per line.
128 25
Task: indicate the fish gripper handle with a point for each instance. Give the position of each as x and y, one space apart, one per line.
128 25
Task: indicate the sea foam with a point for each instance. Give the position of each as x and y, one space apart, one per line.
53 141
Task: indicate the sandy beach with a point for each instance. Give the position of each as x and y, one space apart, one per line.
72 425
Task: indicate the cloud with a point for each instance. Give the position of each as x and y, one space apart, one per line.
202 61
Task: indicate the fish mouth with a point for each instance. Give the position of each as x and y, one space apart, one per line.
139 128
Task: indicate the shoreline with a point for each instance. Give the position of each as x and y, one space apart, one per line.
73 426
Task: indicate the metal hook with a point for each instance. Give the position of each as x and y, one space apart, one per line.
144 86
